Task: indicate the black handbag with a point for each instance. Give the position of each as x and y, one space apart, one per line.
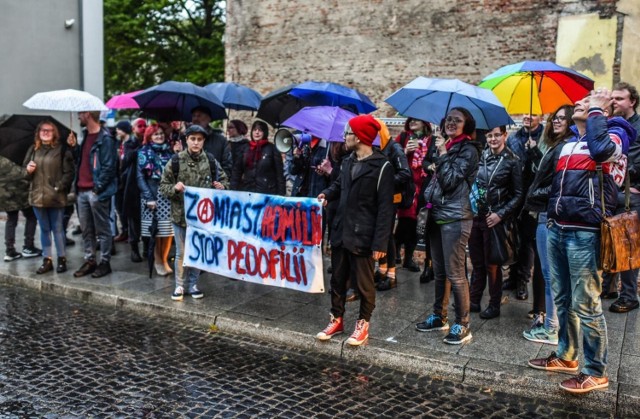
503 239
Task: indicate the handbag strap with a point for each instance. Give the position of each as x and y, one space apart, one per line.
627 187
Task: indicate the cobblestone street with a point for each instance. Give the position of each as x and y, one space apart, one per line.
63 358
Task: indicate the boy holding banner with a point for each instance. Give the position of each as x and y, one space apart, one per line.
195 169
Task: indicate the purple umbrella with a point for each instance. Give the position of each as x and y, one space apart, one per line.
326 122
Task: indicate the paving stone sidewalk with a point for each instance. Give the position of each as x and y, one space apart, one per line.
495 358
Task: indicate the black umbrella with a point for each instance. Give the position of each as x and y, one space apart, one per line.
279 105
17 134
153 230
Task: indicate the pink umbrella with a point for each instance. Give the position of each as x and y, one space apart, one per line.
123 101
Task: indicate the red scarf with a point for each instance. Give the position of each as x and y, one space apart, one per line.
460 138
253 154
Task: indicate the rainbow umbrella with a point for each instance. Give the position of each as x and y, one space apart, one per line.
537 87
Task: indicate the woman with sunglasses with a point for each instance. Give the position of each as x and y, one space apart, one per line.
451 217
50 168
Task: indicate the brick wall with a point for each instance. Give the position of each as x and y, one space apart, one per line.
377 46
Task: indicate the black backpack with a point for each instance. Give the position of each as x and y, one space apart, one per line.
213 167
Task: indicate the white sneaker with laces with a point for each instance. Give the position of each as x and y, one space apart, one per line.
178 294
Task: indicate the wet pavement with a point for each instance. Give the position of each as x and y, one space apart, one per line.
64 358
494 359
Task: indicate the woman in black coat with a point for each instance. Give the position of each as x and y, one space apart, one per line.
499 183
260 169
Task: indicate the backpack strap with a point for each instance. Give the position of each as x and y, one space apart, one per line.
175 166
380 175
213 167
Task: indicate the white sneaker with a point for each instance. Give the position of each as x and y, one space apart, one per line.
178 294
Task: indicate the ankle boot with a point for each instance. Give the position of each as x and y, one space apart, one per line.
135 253
62 265
47 265
387 284
427 274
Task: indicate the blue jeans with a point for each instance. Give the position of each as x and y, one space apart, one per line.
573 263
551 319
50 221
94 221
192 274
448 243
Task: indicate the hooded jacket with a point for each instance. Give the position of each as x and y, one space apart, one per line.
362 223
52 180
449 188
575 193
104 163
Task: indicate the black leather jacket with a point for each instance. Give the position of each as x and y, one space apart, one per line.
500 175
538 195
448 190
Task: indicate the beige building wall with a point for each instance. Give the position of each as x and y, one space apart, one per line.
587 43
630 65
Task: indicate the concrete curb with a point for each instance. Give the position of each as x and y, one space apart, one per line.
620 400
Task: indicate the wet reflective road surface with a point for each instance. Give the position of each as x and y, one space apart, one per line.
62 358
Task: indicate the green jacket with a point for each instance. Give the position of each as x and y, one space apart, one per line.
193 171
51 182
14 188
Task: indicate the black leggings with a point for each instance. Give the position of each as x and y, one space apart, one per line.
406 234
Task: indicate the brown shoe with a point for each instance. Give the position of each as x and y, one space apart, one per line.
554 364
47 265
583 383
87 267
122 237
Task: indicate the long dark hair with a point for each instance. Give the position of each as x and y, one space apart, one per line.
263 126
551 139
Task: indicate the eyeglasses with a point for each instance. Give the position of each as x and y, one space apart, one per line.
559 118
455 120
46 131
497 136
348 133
231 127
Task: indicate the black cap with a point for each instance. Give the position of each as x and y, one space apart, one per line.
195 129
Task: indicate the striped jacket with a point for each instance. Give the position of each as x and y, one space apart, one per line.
575 193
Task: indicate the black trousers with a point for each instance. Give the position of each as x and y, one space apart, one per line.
346 265
522 270
483 271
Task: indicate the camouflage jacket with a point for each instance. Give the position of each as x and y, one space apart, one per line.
193 171
14 188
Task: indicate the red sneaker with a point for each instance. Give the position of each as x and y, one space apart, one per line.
360 334
554 364
583 383
335 327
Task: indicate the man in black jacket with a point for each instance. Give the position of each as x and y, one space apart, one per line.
215 143
625 103
361 227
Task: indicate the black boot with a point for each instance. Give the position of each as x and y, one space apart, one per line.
47 265
387 284
62 265
427 273
135 253
522 293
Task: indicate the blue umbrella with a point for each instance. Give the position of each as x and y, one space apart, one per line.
236 96
431 99
174 100
326 122
332 94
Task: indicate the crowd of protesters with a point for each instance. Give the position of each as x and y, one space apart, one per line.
539 183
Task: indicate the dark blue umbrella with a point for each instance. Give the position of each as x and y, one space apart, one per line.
332 94
236 96
431 99
174 100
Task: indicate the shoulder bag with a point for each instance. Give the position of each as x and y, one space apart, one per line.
619 234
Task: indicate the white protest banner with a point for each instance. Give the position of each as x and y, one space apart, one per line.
266 239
